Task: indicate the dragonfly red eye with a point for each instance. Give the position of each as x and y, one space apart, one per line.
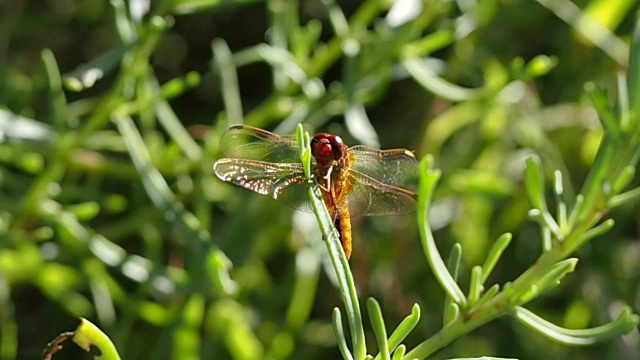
321 148
327 147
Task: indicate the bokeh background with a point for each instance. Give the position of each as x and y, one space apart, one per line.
172 263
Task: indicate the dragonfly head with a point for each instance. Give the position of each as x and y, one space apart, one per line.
327 147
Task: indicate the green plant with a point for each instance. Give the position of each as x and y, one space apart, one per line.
86 336
109 209
562 235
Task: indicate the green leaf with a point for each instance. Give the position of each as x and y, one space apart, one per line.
549 280
86 75
625 323
430 43
609 13
488 295
575 211
624 198
59 115
223 64
594 232
633 76
19 128
85 211
546 221
187 342
377 321
340 335
475 285
608 119
305 150
198 6
428 180
177 131
337 18
404 329
451 310
590 29
427 78
88 335
125 28
534 183
496 251
623 104
561 210
623 179
540 66
399 353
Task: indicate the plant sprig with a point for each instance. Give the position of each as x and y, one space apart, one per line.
571 228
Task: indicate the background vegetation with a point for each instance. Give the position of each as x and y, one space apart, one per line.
110 116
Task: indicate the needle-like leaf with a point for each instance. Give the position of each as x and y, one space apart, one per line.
494 255
475 285
633 82
229 77
428 180
452 310
625 322
340 336
377 321
550 280
534 182
403 330
399 353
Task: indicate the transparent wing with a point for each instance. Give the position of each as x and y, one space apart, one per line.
269 164
377 179
372 197
281 181
246 142
396 167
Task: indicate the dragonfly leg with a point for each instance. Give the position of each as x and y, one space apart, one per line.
327 180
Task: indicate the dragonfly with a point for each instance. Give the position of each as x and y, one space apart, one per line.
354 181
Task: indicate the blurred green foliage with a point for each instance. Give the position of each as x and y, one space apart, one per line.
110 115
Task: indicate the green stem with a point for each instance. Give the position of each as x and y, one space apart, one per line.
343 273
336 253
458 327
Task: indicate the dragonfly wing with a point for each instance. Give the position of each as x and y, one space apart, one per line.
245 142
281 181
269 164
372 197
395 167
